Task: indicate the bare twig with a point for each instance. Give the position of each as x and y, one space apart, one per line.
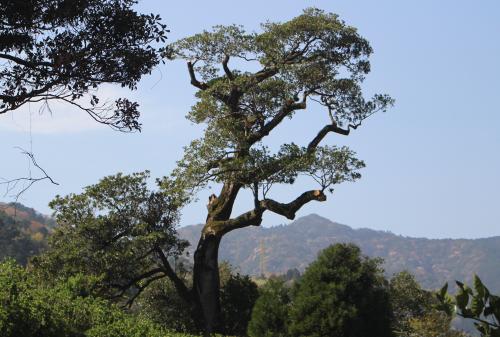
24 183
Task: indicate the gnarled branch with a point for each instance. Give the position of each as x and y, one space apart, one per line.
324 131
228 72
286 110
254 217
288 210
194 80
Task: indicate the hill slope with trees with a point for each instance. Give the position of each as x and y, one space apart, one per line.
23 232
432 261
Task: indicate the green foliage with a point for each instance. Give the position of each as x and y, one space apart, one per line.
341 294
29 308
409 301
162 304
270 313
117 230
418 312
432 324
477 304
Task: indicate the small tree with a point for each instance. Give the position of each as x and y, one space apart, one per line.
416 310
409 301
119 231
270 313
61 50
432 324
341 294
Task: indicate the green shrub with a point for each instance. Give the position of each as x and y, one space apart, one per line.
341 294
28 308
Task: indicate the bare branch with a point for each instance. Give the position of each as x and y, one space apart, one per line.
335 128
323 132
28 181
250 218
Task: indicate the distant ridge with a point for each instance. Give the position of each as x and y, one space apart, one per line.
432 261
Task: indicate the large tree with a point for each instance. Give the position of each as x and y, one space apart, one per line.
64 49
313 59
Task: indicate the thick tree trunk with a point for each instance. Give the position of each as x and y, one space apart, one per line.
206 282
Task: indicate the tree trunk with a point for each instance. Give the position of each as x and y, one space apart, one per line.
206 282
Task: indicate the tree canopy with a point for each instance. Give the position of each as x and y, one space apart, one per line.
313 58
416 310
64 49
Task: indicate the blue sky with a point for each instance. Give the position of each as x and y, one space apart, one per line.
433 161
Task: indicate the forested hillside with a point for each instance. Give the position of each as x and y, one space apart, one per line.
23 232
275 250
433 262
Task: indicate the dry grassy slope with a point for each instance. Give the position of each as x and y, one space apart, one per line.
297 244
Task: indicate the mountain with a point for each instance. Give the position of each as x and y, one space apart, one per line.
23 232
433 261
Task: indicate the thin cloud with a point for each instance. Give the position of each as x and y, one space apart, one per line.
55 117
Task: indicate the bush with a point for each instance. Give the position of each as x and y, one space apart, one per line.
341 294
30 309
